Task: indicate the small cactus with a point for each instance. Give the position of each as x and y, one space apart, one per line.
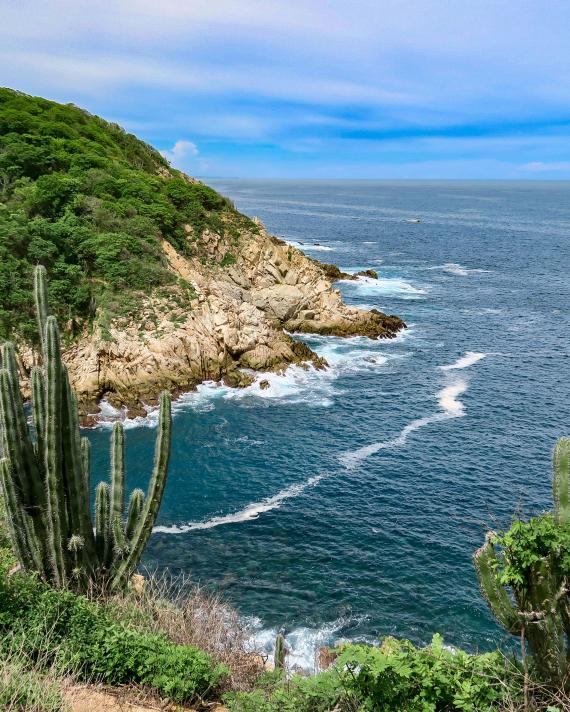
46 480
280 653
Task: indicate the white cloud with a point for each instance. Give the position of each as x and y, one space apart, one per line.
545 167
181 149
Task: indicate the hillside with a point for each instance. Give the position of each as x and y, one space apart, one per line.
158 280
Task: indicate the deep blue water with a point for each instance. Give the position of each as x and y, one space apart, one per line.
323 512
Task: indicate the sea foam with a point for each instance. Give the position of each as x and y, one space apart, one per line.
383 286
249 512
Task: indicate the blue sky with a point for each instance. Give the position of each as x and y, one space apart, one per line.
312 88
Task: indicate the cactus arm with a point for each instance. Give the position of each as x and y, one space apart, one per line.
102 532
78 500
14 515
38 412
120 544
54 483
86 462
41 300
154 496
12 445
496 595
136 504
560 480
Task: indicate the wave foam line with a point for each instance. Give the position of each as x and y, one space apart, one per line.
447 400
251 511
468 359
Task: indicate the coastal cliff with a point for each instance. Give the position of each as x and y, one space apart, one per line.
158 281
237 318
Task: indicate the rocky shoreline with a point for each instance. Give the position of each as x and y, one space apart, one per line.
249 291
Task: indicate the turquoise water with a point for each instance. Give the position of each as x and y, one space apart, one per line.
347 504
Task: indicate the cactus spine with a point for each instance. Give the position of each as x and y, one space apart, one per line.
46 480
536 603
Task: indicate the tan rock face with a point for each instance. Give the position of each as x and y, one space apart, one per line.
236 321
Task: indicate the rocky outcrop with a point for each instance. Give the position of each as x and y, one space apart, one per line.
235 301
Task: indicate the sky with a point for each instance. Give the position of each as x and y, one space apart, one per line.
395 89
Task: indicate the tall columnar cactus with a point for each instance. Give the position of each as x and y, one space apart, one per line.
524 575
45 480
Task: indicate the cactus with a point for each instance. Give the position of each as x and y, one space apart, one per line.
526 583
45 479
280 652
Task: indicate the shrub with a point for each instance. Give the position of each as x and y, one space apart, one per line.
321 693
400 677
80 636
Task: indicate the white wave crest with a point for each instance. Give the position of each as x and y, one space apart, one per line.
383 286
303 643
459 270
468 359
251 511
309 247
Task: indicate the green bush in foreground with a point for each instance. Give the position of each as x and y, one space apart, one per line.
403 678
78 636
397 677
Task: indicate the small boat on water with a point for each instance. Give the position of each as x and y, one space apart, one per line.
412 220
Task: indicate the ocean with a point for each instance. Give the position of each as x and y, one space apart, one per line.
347 504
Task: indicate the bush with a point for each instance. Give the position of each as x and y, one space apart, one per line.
400 677
78 635
397 677
320 693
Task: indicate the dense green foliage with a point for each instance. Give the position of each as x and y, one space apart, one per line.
45 479
89 201
403 678
320 693
524 575
525 544
79 636
397 677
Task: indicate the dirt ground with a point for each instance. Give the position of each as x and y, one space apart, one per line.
89 698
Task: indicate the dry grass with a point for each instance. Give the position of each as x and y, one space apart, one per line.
187 614
30 685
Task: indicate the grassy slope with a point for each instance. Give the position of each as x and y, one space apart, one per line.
90 202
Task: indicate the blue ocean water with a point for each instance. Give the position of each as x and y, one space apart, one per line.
348 503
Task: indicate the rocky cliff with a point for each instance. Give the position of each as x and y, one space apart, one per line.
249 291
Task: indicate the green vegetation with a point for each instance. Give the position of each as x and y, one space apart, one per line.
90 202
45 483
397 677
524 575
73 635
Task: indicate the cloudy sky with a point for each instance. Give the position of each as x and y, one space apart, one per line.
311 88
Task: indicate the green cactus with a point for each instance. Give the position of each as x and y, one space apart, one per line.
45 479
279 653
524 577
